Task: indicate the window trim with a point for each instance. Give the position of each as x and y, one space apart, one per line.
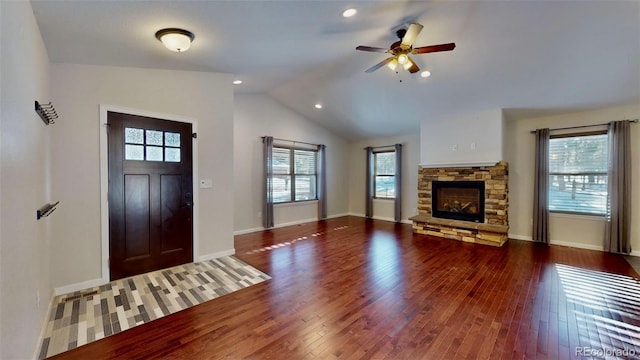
375 175
605 173
292 174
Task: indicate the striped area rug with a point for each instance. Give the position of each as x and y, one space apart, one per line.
92 314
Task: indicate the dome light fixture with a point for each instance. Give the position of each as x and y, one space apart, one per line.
318 106
425 74
175 39
237 82
349 12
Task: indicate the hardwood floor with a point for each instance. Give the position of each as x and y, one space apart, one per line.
357 289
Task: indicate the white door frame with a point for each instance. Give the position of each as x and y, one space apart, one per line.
104 179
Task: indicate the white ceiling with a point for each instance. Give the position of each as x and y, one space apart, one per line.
530 57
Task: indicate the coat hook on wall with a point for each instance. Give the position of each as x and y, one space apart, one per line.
46 210
46 112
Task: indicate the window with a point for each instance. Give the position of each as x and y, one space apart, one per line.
578 173
151 145
384 181
294 175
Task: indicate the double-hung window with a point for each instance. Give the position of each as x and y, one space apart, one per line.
384 174
294 174
578 173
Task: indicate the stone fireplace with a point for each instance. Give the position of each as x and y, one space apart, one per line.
467 203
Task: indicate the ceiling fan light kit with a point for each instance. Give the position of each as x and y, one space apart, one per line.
174 39
401 49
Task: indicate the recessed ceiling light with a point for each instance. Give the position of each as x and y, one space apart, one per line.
237 82
318 106
349 12
425 74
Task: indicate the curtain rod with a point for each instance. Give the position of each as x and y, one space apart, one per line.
378 147
293 141
583 126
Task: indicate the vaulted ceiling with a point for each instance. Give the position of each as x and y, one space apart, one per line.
530 57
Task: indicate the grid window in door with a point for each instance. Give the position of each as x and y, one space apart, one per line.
151 145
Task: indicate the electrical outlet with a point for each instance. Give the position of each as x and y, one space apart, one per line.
454 147
37 299
473 146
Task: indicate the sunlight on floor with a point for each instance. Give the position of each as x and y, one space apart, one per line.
606 308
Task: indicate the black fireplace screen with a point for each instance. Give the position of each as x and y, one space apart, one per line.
458 200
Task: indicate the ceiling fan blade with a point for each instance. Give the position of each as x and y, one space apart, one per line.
414 67
379 65
411 35
433 48
371 49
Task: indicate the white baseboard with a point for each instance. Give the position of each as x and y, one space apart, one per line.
520 237
578 245
98 282
247 231
216 255
635 253
78 286
383 218
561 243
298 222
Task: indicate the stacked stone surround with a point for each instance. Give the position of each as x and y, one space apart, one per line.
495 228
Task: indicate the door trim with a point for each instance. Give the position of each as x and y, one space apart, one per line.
104 179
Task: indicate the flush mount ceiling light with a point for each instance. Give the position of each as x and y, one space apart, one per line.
425 74
237 82
318 106
174 39
349 12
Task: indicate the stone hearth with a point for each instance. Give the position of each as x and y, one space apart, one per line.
494 229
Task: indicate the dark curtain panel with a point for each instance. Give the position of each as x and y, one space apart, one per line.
369 188
322 182
398 184
267 161
618 225
541 188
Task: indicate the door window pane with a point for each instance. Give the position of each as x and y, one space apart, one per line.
154 153
133 152
172 154
172 139
133 136
154 137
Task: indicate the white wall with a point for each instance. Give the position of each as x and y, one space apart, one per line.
259 115
384 209
24 182
471 138
78 91
578 231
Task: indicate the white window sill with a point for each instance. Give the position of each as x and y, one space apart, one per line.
297 203
579 216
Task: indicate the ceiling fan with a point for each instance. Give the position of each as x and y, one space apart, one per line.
401 49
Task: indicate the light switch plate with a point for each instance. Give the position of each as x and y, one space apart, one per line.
206 183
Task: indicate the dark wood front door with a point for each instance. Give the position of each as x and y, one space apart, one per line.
150 194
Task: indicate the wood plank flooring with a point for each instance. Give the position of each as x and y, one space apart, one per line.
352 288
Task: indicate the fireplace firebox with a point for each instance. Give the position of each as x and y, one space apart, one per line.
458 200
